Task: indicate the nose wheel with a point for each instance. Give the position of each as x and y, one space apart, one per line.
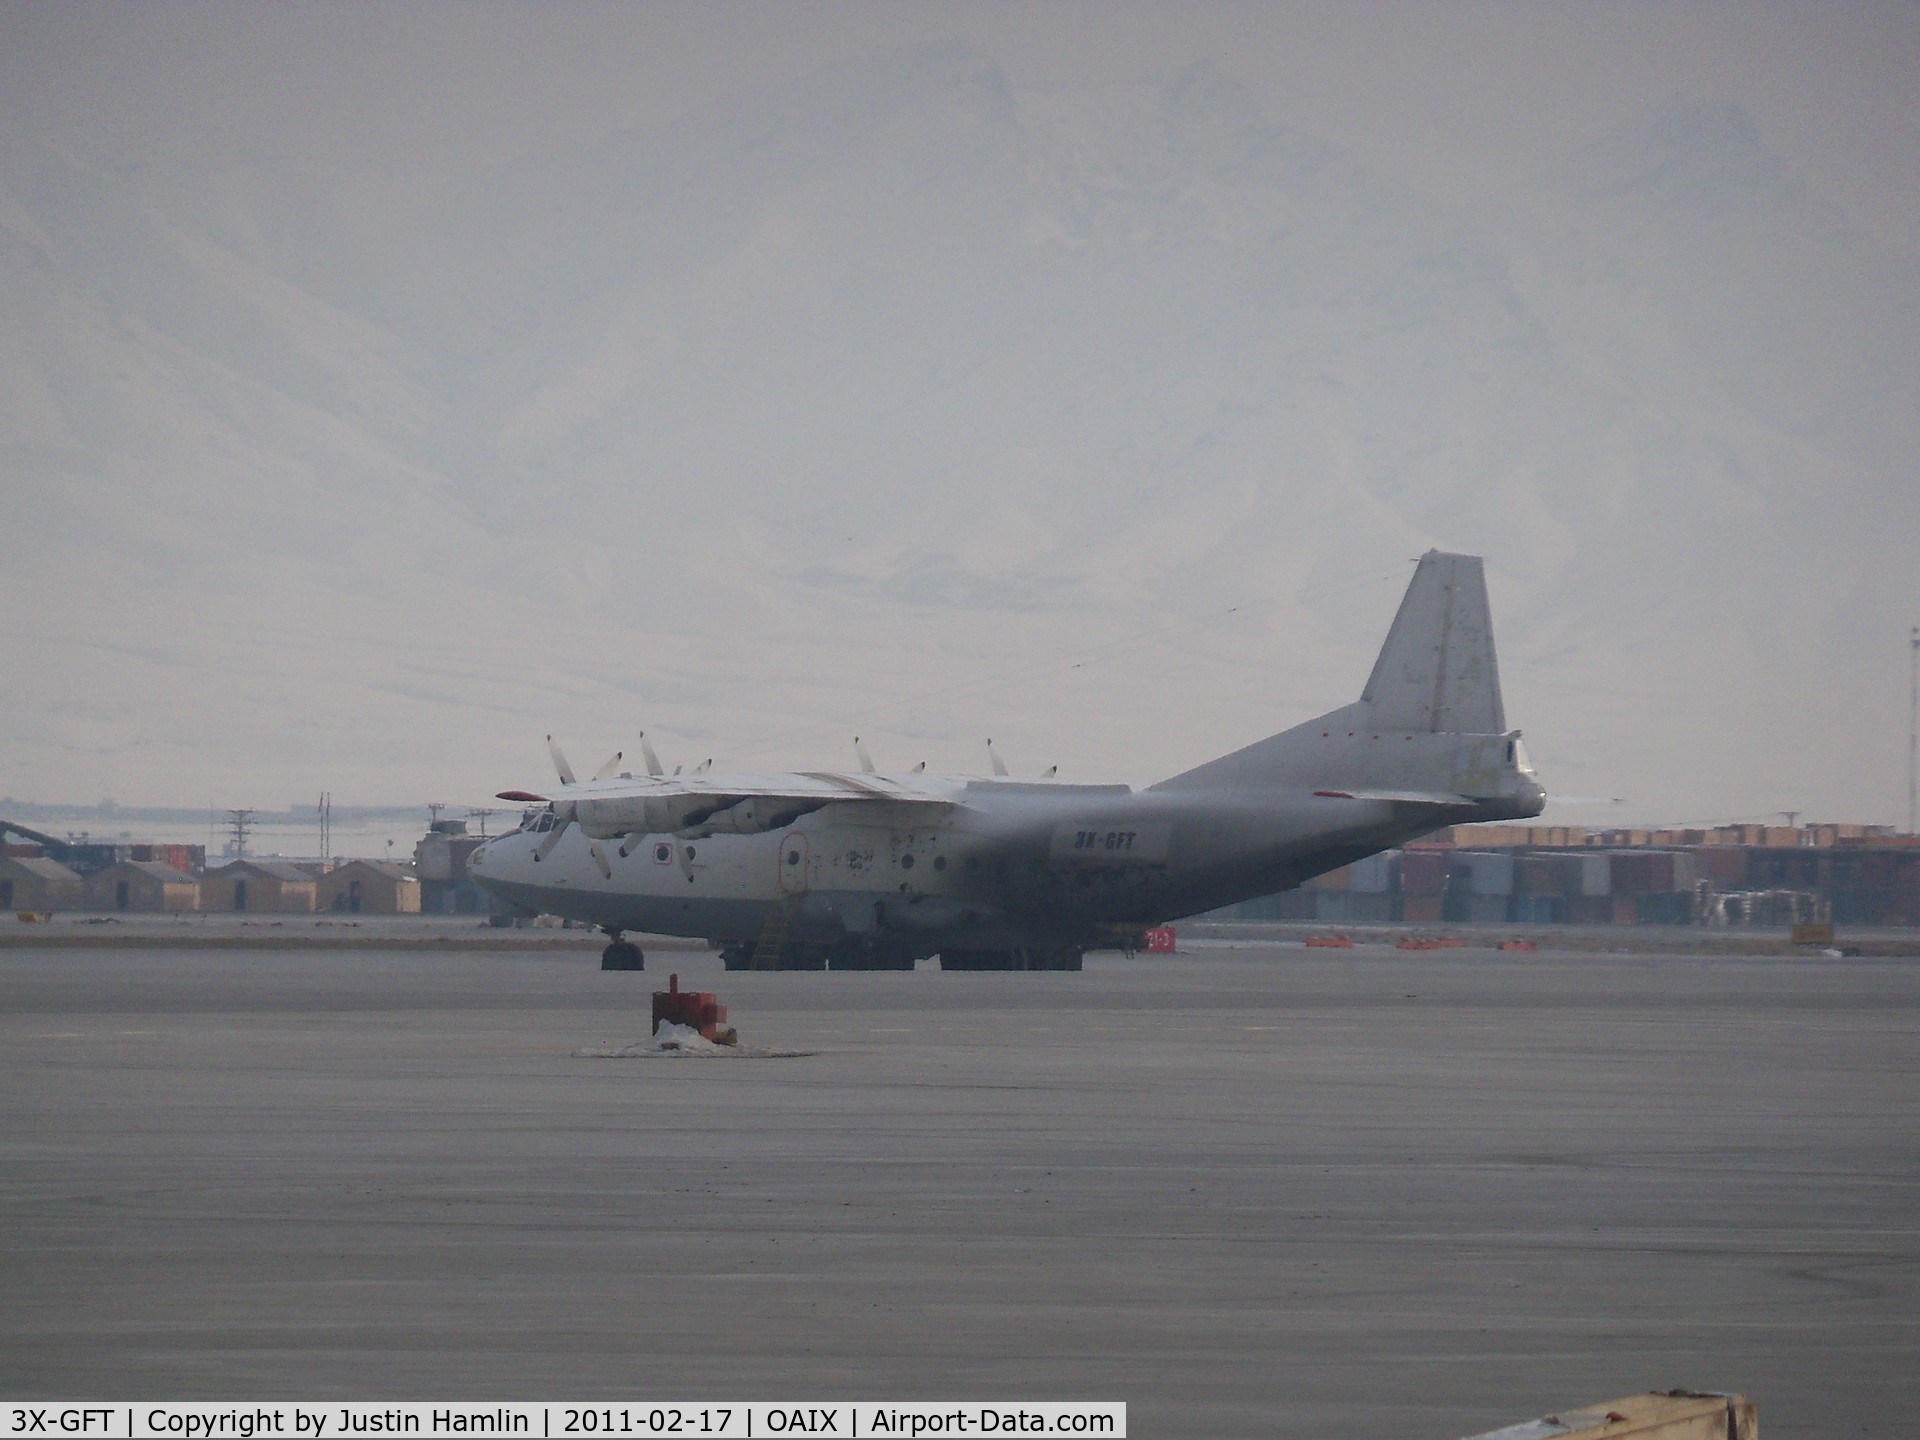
622 955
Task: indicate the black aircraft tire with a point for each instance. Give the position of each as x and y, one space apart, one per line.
622 955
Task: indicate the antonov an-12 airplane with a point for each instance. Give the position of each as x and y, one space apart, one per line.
862 870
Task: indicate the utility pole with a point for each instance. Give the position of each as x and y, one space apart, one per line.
1913 735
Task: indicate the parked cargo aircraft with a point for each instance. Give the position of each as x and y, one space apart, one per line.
861 870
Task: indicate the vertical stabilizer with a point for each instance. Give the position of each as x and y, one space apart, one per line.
1437 672
1429 723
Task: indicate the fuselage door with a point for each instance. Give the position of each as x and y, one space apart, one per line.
793 863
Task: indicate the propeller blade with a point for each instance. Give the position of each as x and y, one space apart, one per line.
704 767
1049 772
646 753
606 771
999 765
606 870
560 762
921 768
860 754
525 797
553 838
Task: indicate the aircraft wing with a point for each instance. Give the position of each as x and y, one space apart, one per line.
706 804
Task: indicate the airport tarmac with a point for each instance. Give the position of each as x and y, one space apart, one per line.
1250 1191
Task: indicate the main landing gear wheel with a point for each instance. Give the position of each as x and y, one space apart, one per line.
622 955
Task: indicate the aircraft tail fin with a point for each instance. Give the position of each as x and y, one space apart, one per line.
1429 723
1437 670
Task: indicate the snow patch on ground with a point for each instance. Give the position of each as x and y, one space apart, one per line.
682 1042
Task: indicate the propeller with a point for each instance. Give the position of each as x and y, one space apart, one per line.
646 754
563 809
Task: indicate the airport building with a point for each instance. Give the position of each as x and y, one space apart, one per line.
37 884
140 885
368 887
273 887
440 860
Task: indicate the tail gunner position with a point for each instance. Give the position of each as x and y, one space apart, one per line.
869 871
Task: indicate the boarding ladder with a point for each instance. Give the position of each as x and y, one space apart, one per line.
773 933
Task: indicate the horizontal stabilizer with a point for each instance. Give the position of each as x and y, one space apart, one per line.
1444 799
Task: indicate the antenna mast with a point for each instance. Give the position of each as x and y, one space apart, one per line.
1913 735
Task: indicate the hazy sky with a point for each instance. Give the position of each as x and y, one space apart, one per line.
1458 99
294 167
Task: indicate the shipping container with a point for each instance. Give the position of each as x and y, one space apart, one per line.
1423 873
1375 875
1486 909
1420 909
1534 909
1725 866
1596 875
1587 910
1374 909
1547 874
1481 872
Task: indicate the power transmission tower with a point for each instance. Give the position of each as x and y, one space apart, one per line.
239 823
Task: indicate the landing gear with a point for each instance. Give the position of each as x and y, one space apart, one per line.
622 955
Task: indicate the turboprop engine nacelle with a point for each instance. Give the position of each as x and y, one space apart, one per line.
753 816
690 816
629 815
